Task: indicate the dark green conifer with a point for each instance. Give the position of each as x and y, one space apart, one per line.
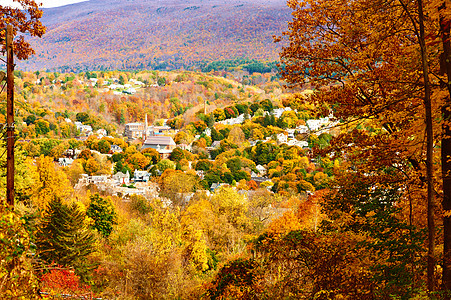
63 237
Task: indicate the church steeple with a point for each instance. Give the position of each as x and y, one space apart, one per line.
145 130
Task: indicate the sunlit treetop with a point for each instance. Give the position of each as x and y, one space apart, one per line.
25 21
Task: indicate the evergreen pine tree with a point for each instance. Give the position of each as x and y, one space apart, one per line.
266 120
272 120
63 237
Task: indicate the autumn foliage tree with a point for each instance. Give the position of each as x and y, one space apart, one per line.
63 281
16 268
371 62
25 20
16 272
101 210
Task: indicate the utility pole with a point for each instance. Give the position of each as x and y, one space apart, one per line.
9 117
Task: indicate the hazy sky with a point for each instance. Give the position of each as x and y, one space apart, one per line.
46 3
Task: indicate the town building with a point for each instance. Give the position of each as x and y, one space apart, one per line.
143 130
141 176
163 144
121 178
160 130
65 161
134 130
115 148
85 130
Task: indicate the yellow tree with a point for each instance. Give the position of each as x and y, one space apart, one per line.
226 201
236 136
219 221
91 166
177 185
138 161
52 182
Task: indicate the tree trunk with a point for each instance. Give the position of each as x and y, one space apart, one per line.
429 152
446 152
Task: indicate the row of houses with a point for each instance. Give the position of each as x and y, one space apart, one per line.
117 179
157 137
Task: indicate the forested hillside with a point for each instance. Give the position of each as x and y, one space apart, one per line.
159 94
143 34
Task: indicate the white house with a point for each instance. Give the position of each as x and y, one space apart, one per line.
130 91
302 129
101 133
115 148
95 179
87 129
115 86
137 82
233 121
279 111
207 131
92 81
64 161
290 133
302 144
141 176
282 138
121 178
261 169
316 124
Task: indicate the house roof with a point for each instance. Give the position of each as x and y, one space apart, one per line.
162 127
122 175
159 140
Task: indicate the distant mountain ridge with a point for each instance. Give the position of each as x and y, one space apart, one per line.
144 34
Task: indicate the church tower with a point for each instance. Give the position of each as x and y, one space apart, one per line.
145 130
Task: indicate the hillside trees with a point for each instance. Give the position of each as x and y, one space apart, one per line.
378 213
355 255
176 184
370 60
23 180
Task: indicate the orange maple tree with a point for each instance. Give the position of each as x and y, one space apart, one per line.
25 19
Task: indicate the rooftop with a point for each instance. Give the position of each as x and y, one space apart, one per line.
159 140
